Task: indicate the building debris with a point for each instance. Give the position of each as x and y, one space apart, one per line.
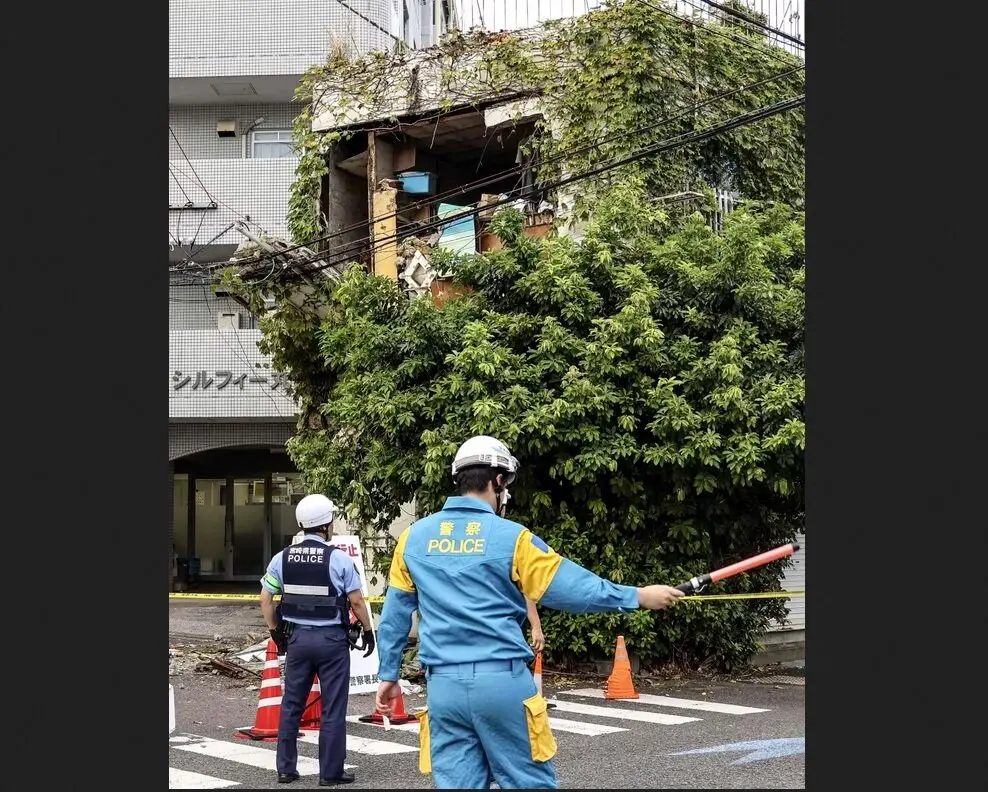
231 669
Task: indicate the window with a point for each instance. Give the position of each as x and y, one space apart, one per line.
271 144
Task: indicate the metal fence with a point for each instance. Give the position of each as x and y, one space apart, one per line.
727 202
783 15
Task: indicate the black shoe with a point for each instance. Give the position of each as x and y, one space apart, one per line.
346 778
287 779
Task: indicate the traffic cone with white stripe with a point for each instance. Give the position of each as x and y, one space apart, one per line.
269 702
398 715
313 709
537 673
619 684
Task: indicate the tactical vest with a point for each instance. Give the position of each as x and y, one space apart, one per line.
307 591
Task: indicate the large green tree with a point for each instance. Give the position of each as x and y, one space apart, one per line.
648 377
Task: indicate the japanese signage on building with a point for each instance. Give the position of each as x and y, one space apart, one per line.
221 380
222 374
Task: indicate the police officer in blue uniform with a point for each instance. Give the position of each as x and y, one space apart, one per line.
468 572
318 584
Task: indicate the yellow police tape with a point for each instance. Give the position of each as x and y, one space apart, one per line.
233 597
755 595
378 600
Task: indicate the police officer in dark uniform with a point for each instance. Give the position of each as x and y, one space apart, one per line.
318 584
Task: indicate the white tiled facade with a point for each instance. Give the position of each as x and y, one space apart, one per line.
232 38
234 66
240 62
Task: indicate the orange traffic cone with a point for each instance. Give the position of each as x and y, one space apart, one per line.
398 714
313 709
538 678
619 684
269 702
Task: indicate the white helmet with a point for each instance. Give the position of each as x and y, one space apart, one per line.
484 450
314 511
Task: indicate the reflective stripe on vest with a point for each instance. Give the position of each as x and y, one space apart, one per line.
306 584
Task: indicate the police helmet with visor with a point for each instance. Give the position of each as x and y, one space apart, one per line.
315 512
486 452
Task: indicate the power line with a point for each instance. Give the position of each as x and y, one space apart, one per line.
752 21
561 156
712 29
657 148
189 163
369 21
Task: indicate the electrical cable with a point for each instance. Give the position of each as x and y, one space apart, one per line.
712 29
560 156
752 21
657 148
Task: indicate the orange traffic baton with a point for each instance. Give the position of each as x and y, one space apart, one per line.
698 584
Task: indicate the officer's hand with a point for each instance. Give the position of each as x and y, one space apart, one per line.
657 597
368 643
386 693
538 640
279 640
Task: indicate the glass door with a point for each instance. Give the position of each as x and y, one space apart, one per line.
250 538
209 562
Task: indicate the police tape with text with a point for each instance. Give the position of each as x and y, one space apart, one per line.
378 600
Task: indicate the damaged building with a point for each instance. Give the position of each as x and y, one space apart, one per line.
414 171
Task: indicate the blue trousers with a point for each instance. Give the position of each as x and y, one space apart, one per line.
486 720
311 651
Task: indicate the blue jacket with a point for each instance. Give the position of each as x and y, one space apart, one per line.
467 572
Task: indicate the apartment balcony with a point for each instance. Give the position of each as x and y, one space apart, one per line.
220 375
207 198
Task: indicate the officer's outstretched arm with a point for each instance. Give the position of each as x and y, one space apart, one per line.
396 615
558 583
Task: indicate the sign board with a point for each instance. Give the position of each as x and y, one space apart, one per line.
222 374
363 670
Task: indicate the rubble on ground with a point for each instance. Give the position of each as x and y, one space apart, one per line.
241 661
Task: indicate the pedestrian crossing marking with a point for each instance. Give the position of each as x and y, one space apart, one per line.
244 753
186 779
668 701
364 745
582 727
660 718
558 724
405 727
262 755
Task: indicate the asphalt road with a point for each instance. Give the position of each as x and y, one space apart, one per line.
632 751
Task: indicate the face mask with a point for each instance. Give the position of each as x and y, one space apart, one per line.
503 500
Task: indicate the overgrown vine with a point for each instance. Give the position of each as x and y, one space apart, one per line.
626 67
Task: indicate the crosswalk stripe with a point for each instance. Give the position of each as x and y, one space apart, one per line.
262 758
364 745
667 701
582 727
622 714
559 724
186 779
412 727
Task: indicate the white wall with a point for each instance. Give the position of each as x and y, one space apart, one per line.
795 580
254 191
217 38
